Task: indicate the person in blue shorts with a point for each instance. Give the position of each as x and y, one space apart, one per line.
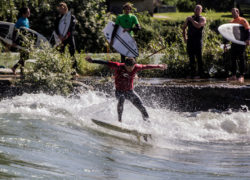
23 21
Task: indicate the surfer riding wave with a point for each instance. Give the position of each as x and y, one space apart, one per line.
124 77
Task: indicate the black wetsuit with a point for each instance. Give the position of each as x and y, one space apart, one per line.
238 52
194 46
134 98
70 41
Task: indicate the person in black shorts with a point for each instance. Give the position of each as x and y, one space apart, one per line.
238 52
193 38
68 39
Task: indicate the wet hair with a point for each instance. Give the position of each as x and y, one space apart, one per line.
128 4
23 10
130 61
64 5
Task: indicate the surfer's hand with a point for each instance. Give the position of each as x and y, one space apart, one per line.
61 38
163 66
247 42
225 48
189 18
126 30
89 59
66 37
185 39
111 42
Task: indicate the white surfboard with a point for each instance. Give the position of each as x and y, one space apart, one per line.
7 32
112 127
235 33
123 42
64 24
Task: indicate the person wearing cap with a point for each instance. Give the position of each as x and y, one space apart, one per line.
128 22
124 77
238 51
68 39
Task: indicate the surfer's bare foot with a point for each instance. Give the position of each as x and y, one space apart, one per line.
145 137
13 70
241 79
75 76
232 78
146 120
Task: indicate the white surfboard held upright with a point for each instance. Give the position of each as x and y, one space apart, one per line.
123 42
7 30
235 33
64 24
63 28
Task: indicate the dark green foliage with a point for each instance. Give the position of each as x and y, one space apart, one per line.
185 5
51 73
218 5
91 17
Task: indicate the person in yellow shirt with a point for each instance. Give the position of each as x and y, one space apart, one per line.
238 51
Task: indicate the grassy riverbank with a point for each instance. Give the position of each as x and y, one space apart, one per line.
181 16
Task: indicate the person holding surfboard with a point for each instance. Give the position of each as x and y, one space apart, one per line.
124 77
237 50
23 21
64 29
193 38
127 21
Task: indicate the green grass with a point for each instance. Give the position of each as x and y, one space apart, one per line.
181 16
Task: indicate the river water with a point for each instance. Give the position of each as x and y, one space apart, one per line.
53 137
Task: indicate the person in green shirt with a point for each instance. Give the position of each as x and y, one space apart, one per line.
128 22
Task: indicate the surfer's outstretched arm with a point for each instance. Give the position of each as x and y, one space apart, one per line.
152 66
136 28
90 60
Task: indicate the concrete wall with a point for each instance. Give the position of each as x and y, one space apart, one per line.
115 6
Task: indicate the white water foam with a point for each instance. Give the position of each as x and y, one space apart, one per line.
165 126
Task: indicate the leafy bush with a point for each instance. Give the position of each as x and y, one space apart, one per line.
51 73
221 5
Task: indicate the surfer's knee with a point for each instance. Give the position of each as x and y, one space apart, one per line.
121 100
